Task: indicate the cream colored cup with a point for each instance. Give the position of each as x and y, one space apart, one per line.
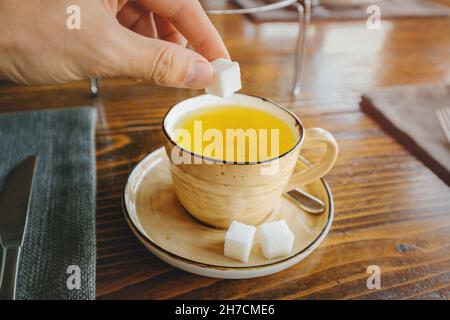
217 193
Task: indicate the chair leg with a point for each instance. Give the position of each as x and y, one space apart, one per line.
94 86
304 16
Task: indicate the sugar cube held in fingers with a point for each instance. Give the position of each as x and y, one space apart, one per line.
226 78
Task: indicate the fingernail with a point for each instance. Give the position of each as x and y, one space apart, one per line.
200 75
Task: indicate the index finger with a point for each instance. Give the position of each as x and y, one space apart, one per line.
191 20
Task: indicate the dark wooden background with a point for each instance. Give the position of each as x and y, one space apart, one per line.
391 210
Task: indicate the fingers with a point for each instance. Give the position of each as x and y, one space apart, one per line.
114 6
191 20
129 14
168 32
159 61
121 4
146 26
133 17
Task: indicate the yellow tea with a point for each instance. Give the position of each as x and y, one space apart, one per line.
234 133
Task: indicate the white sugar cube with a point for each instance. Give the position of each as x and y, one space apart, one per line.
275 238
226 78
239 241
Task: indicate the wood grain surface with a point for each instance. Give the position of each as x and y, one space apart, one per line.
391 210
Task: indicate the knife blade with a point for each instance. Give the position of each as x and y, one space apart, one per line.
14 205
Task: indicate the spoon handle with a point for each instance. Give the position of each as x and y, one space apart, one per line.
306 201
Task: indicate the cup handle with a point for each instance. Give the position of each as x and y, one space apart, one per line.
321 168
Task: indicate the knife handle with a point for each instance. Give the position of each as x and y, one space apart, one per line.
8 274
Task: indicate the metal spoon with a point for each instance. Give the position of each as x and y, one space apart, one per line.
307 202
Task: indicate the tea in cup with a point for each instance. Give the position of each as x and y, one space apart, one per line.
232 159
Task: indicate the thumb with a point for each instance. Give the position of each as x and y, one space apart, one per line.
161 62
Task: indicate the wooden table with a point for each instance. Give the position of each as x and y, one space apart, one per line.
391 210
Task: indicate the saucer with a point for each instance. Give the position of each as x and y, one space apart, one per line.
165 228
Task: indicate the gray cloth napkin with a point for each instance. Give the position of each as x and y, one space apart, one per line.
409 114
60 230
389 9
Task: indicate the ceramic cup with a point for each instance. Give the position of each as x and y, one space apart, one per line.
216 192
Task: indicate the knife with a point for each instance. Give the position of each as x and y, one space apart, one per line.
14 204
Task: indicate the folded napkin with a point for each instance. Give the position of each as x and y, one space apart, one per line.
389 9
60 230
408 113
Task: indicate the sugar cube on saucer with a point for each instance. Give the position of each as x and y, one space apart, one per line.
275 239
226 78
239 241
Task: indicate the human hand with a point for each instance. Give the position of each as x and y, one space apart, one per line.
144 39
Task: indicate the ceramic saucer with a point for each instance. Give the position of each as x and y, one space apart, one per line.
166 229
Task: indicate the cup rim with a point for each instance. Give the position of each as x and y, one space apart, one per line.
298 124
